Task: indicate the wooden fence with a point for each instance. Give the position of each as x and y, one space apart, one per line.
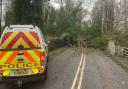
116 49
121 51
125 51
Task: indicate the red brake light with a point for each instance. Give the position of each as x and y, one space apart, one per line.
42 58
42 53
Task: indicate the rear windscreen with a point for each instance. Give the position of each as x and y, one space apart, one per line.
14 40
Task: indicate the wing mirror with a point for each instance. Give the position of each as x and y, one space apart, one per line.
48 42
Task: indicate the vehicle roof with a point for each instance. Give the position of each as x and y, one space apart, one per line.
21 26
13 28
24 28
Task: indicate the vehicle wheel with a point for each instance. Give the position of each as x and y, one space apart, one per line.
46 73
47 59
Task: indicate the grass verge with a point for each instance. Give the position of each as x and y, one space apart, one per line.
56 51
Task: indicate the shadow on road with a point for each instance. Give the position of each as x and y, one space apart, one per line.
29 85
33 85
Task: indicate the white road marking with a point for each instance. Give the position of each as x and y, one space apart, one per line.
78 70
81 75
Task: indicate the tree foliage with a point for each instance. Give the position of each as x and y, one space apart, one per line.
66 22
103 14
29 12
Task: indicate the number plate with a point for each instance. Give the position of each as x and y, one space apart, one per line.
21 72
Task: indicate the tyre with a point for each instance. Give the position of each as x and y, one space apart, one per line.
46 73
47 59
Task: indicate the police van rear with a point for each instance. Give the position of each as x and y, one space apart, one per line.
23 54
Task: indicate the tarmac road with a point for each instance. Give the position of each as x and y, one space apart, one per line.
101 72
68 70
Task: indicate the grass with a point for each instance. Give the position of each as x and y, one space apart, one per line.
57 51
48 38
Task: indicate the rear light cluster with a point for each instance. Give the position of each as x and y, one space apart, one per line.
42 58
1 72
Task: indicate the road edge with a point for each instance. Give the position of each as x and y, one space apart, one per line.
116 59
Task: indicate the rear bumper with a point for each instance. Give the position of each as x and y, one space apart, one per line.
28 78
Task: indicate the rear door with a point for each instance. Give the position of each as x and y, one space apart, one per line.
20 53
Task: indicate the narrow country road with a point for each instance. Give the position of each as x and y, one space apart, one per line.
68 70
103 73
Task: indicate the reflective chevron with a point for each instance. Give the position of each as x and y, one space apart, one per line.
14 39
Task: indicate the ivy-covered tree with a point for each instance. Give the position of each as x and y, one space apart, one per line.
22 11
29 12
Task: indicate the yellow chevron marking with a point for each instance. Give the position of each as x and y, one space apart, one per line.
20 42
17 57
9 39
5 58
6 72
32 39
32 53
35 70
35 57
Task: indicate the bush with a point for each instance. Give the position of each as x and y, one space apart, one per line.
121 39
99 42
56 43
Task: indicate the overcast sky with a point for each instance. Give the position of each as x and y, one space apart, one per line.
88 4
